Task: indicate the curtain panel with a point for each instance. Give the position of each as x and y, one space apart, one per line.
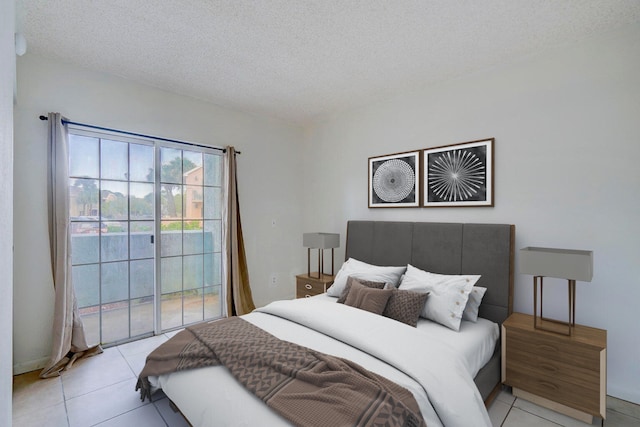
239 300
69 342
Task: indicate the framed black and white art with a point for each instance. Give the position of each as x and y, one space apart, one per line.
459 174
395 180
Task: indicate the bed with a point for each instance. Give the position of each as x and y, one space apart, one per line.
452 374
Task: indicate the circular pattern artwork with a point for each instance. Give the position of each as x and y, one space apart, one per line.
394 180
457 175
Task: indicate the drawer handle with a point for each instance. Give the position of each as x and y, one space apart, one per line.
307 296
548 367
308 286
547 384
547 347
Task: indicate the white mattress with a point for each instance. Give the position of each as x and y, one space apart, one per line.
200 394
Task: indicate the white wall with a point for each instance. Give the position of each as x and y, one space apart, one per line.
567 129
7 73
268 174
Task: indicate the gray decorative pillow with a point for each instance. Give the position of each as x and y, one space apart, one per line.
369 299
367 283
405 306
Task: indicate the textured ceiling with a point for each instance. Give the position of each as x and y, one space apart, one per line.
302 59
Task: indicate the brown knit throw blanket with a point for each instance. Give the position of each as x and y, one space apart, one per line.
306 387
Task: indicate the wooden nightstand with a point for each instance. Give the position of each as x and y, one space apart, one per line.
567 374
308 286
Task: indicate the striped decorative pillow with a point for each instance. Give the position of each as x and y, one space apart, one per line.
369 299
367 283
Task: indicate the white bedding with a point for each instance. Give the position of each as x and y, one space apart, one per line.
475 342
212 397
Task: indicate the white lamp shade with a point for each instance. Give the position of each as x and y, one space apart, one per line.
567 264
321 240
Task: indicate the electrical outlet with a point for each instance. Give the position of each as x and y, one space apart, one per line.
274 280
274 223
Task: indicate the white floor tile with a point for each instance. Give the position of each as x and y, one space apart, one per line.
106 355
145 346
135 353
103 404
38 416
136 362
519 418
498 412
95 373
30 391
145 416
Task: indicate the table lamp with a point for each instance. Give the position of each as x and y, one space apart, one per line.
320 241
567 264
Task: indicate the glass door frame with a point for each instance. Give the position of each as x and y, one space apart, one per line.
158 228
156 237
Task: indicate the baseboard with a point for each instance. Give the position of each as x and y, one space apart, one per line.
31 365
627 394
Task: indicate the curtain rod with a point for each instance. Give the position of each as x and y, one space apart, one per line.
67 122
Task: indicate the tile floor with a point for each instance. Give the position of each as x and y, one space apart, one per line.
99 391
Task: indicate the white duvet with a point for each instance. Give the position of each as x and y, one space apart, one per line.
426 365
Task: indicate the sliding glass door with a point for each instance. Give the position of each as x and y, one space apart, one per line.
145 240
191 235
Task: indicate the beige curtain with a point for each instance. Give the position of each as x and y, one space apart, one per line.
238 290
69 341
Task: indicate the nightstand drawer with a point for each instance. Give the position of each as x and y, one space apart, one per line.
556 388
309 286
552 348
521 360
305 288
566 373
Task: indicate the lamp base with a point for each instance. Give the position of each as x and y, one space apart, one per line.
320 263
553 325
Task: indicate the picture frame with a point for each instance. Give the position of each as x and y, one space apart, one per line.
395 180
459 175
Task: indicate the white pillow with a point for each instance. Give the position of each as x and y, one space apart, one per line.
473 304
448 295
364 271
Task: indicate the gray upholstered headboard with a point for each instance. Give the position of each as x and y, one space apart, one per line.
445 248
